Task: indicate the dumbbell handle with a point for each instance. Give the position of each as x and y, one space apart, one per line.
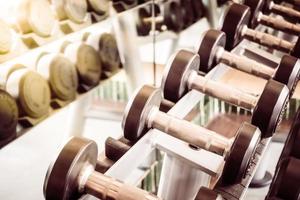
189 132
284 11
267 40
107 188
158 19
221 91
245 64
279 24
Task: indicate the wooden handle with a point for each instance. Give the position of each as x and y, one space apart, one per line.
284 11
115 149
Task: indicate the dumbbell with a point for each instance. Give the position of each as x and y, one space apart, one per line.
235 26
180 76
142 113
75 10
72 176
207 194
285 184
121 5
35 16
171 16
257 17
287 12
188 14
86 60
8 115
60 73
212 52
30 90
114 150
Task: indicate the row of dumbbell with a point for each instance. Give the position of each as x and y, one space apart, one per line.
173 15
26 94
142 113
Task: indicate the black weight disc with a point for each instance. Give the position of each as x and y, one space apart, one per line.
199 10
292 143
288 72
286 181
176 71
296 50
142 27
236 17
115 149
241 152
270 107
187 12
173 17
137 110
211 41
256 6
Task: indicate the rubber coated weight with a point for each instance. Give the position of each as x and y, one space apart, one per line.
122 5
198 9
179 67
296 49
270 107
143 28
173 17
235 19
115 149
137 111
285 184
256 6
8 115
62 179
109 53
212 40
187 12
241 153
288 72
292 143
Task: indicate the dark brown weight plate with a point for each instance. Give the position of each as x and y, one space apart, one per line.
199 10
137 111
292 143
173 17
236 17
296 49
285 184
187 12
256 6
211 41
115 149
62 179
241 153
34 95
109 53
178 67
288 72
88 65
270 107
8 115
63 78
143 28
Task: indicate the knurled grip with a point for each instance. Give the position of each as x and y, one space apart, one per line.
284 11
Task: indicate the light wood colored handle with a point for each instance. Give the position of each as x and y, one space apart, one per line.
284 11
267 40
106 188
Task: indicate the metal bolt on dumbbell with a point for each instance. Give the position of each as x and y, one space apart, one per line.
72 176
142 113
181 76
235 25
212 52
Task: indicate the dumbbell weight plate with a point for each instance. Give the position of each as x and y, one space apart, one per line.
143 28
236 17
76 10
8 114
137 111
207 194
109 53
180 66
286 181
288 72
6 38
198 9
173 16
241 153
256 6
270 107
62 178
88 65
296 50
115 149
187 12
98 6
212 40
292 144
